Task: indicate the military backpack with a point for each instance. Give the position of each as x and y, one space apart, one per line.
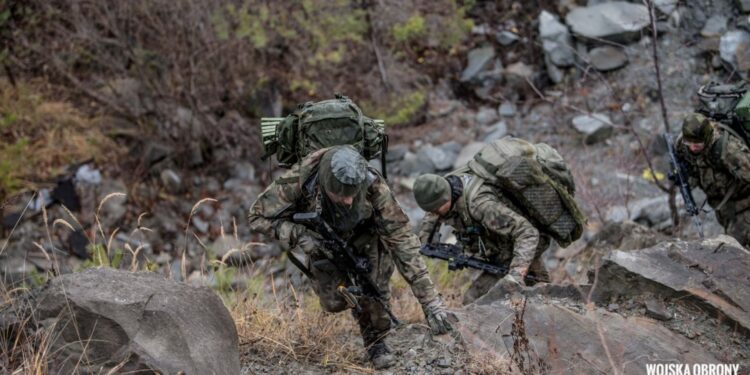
537 181
728 104
317 125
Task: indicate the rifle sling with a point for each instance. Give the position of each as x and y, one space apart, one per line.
297 263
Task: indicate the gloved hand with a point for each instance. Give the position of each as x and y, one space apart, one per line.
438 317
297 235
516 276
312 244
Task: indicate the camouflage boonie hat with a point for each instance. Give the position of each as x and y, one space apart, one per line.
343 171
431 191
697 128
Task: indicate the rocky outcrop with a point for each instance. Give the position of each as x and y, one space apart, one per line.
567 338
104 318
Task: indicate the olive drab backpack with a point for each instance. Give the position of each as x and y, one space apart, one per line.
317 125
729 104
535 178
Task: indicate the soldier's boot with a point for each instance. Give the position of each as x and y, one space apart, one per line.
380 355
374 325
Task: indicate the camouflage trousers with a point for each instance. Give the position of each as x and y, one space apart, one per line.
484 281
374 322
737 225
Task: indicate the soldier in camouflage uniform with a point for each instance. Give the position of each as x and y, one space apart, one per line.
486 225
356 202
718 161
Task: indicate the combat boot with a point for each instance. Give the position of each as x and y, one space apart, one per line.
381 356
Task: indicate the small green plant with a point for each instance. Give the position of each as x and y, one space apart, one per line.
412 29
224 276
399 110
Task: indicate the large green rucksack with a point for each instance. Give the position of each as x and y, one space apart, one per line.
317 125
728 104
535 178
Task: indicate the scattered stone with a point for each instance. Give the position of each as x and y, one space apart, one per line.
507 109
396 152
467 153
140 320
556 40
734 48
607 58
596 127
478 60
613 307
440 159
414 165
617 21
443 362
743 5
657 310
171 181
452 147
519 70
506 38
497 131
154 152
666 6
199 224
715 26
486 116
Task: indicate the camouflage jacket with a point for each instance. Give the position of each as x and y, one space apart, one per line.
489 227
271 214
722 168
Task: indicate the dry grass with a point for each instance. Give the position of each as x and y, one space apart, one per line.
40 135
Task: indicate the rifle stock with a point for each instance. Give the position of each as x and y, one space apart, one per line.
678 174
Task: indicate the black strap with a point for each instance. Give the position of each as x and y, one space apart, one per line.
297 263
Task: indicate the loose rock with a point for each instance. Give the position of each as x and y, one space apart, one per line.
607 58
734 48
478 60
617 21
596 127
715 26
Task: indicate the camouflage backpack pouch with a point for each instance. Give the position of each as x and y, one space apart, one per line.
536 179
317 125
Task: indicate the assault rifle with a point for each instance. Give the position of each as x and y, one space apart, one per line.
341 254
678 175
458 260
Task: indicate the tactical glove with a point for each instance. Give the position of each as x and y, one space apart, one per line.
515 276
438 317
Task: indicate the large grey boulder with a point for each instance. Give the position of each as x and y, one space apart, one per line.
743 5
568 337
712 273
102 318
616 21
440 158
734 48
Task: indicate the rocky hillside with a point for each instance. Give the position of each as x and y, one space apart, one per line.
130 140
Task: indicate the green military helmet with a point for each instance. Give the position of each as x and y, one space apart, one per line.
343 171
697 128
431 191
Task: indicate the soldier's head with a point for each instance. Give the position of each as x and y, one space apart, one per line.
342 175
697 132
433 194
